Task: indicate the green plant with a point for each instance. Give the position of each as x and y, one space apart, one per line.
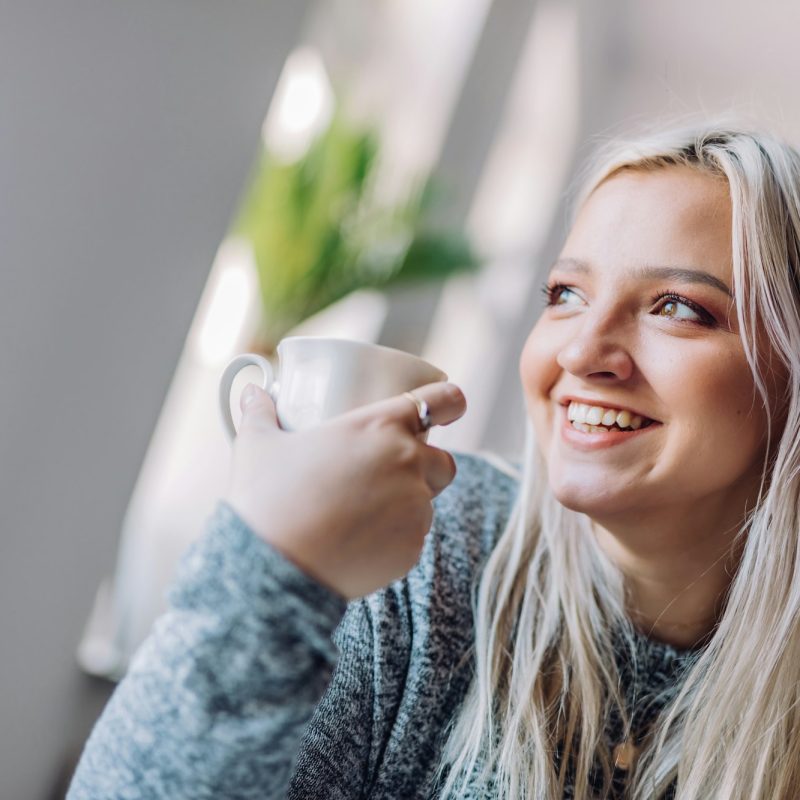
319 231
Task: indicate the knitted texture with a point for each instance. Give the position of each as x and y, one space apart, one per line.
259 682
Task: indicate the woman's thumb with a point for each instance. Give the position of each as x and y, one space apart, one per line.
258 409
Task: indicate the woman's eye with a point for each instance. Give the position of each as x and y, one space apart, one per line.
675 309
561 295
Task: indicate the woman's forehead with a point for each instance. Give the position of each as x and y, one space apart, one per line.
678 216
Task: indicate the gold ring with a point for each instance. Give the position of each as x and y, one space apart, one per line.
423 413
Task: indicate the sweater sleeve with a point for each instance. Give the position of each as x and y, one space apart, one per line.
218 699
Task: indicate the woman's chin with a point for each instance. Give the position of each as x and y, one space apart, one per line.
589 499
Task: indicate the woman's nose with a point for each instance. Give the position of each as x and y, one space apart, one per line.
596 351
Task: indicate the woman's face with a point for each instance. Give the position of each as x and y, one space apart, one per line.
640 319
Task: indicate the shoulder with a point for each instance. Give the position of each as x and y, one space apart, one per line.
414 636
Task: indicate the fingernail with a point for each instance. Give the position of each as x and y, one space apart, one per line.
248 395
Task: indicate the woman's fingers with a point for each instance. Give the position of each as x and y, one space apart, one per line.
445 404
445 401
439 468
258 410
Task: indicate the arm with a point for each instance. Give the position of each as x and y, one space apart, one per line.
217 700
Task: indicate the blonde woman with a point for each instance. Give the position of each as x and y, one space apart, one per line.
619 620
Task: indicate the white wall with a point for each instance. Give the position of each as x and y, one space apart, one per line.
126 133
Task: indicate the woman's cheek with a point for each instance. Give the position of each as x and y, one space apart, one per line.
538 371
528 374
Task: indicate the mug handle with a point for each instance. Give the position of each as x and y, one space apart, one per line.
226 384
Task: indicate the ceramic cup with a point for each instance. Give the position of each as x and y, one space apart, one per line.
320 377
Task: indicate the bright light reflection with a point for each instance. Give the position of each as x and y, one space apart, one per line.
301 107
230 291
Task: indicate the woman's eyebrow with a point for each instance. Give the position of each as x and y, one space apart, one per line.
679 274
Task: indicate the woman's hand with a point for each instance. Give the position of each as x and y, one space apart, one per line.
349 501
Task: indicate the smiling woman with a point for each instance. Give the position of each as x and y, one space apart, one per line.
636 626
661 382
619 333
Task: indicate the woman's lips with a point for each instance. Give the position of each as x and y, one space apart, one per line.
595 441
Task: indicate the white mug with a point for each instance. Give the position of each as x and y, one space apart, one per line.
320 377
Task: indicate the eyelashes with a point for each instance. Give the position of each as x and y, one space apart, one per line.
706 318
553 291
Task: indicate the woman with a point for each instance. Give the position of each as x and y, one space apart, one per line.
635 629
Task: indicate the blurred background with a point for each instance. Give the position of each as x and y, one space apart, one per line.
181 180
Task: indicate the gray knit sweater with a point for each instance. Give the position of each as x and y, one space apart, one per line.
260 683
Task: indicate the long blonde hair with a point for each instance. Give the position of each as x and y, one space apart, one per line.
549 601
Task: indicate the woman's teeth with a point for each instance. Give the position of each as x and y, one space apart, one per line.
597 419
